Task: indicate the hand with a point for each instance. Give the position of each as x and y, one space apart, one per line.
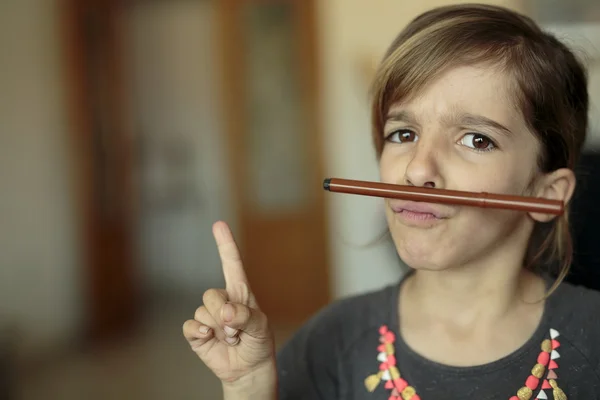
229 332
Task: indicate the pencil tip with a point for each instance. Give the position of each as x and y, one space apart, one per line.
326 183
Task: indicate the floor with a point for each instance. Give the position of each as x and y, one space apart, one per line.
155 364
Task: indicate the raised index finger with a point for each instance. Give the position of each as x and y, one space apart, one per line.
236 282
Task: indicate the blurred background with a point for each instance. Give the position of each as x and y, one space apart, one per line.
129 127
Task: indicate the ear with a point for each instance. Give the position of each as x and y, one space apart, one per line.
556 185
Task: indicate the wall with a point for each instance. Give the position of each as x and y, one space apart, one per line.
39 274
352 32
39 278
176 103
40 269
584 39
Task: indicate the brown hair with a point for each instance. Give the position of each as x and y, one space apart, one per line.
550 86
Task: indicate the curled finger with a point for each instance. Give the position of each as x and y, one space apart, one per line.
196 333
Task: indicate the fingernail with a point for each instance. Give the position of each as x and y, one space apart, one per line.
232 340
227 312
204 330
230 331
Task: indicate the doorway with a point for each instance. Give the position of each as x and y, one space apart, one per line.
271 103
186 112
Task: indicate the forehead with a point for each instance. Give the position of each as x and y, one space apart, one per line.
477 90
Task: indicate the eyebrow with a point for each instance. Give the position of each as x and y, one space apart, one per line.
401 116
479 120
466 119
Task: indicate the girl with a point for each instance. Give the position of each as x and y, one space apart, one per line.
468 97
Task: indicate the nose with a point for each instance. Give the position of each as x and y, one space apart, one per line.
423 168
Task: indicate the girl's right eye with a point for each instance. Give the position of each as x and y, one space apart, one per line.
402 136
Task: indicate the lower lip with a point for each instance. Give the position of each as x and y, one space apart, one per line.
417 216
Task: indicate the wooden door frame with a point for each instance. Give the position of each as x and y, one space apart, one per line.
101 321
231 64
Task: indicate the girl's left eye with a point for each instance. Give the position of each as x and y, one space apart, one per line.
478 142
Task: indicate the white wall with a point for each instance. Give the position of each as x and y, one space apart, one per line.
38 241
176 100
584 39
350 31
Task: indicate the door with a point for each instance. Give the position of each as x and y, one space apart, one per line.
101 143
270 78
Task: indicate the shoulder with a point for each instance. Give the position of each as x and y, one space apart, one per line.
345 320
576 313
577 305
311 356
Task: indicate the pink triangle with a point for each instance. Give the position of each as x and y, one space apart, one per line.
555 344
546 385
552 365
389 385
400 383
552 375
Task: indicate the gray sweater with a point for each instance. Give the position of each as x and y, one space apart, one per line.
351 340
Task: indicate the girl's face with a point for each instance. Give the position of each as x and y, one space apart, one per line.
464 131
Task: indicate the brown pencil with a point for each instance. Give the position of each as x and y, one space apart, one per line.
454 197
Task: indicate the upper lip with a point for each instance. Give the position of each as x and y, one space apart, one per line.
419 207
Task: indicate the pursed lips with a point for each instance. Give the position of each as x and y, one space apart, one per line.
419 208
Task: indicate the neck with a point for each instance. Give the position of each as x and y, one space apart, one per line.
466 296
451 317
487 289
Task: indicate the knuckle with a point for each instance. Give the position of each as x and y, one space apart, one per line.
212 296
200 313
232 256
242 313
206 297
229 252
188 328
245 292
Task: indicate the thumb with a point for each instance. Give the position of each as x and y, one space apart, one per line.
238 317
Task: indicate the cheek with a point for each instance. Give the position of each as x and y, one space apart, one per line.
506 180
507 177
514 172
391 167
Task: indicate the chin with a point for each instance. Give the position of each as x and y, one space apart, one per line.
422 258
424 265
